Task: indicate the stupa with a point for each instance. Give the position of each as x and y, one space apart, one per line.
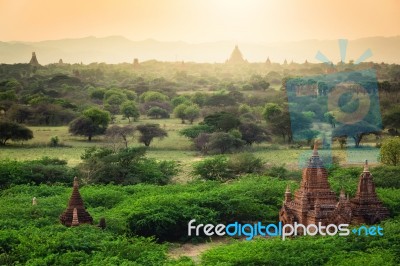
75 214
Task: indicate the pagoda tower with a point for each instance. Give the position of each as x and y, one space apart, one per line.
315 200
367 208
75 214
236 57
34 61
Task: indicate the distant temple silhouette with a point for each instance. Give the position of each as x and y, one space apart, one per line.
75 214
236 57
34 61
315 202
135 63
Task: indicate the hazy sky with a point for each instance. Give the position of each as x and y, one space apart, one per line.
198 21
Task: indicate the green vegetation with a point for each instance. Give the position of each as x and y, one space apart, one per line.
390 151
161 144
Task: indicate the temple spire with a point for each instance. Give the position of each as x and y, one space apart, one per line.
75 214
34 61
315 150
366 168
76 183
288 194
236 57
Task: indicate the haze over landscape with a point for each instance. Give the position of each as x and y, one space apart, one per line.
118 49
201 31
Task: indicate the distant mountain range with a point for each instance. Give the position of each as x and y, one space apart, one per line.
117 49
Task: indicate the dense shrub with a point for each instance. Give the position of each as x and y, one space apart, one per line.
164 212
347 178
222 167
214 168
281 172
59 245
126 166
312 250
386 176
45 170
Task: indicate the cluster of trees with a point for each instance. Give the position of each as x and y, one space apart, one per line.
222 132
125 166
95 121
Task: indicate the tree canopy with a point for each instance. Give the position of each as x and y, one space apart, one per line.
13 131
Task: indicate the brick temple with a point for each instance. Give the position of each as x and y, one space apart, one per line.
315 202
75 214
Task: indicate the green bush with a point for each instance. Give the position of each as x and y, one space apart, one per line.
222 167
126 166
386 176
54 141
86 245
164 212
245 163
317 250
214 168
282 172
45 170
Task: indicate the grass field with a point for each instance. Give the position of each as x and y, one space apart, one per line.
174 147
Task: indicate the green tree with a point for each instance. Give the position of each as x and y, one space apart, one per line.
278 120
224 142
222 121
214 168
19 113
253 133
391 120
179 100
130 110
390 151
356 131
157 112
150 131
97 93
92 122
13 131
194 131
244 109
153 96
192 112
180 112
330 118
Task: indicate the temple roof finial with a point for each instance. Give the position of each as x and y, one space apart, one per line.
287 188
366 168
76 183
